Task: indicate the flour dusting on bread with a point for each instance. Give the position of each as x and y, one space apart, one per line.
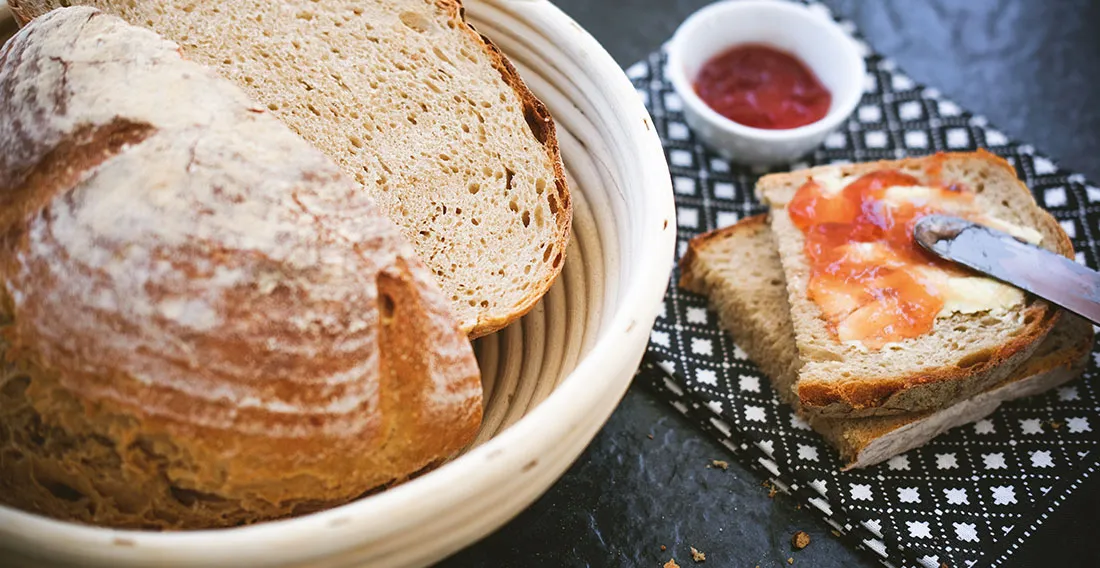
196 302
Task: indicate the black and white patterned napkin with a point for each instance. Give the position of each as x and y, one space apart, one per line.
971 496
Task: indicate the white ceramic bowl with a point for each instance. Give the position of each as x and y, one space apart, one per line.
808 33
551 381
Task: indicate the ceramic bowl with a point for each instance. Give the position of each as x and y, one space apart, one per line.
806 32
551 380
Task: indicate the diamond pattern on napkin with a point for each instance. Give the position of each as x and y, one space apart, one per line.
971 496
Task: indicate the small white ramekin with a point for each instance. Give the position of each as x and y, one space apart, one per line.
809 34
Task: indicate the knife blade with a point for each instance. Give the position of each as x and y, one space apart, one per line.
1050 276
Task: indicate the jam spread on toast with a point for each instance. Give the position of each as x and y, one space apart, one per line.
873 283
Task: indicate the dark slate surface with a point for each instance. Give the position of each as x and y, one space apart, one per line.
1032 68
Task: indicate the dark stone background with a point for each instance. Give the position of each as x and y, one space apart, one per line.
1033 68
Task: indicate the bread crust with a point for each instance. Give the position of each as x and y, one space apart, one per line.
538 119
928 388
203 322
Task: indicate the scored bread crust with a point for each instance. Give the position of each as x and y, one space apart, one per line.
821 386
754 307
474 320
203 321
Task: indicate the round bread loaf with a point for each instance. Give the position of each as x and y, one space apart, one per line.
204 322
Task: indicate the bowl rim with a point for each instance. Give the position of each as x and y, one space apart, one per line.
839 112
600 374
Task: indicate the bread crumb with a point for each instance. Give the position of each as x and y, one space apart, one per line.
672 563
790 561
800 540
1055 425
663 548
836 533
720 464
650 436
772 492
697 555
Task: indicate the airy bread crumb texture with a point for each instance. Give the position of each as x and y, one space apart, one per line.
417 107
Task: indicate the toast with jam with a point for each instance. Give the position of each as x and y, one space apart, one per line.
738 268
881 327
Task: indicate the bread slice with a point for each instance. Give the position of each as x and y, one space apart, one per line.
424 112
963 354
753 305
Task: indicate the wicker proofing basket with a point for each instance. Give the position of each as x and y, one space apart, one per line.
551 380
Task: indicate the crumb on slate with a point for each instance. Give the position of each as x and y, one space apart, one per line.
650 436
836 533
672 563
720 464
800 540
790 561
663 548
697 555
1055 425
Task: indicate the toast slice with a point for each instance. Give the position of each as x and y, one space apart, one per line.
753 305
964 352
424 112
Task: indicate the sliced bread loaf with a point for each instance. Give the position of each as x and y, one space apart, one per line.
965 351
203 321
424 112
752 304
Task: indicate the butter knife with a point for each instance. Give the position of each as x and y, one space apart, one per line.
1050 276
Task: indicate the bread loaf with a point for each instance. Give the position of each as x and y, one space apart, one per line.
739 270
964 353
205 323
424 112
